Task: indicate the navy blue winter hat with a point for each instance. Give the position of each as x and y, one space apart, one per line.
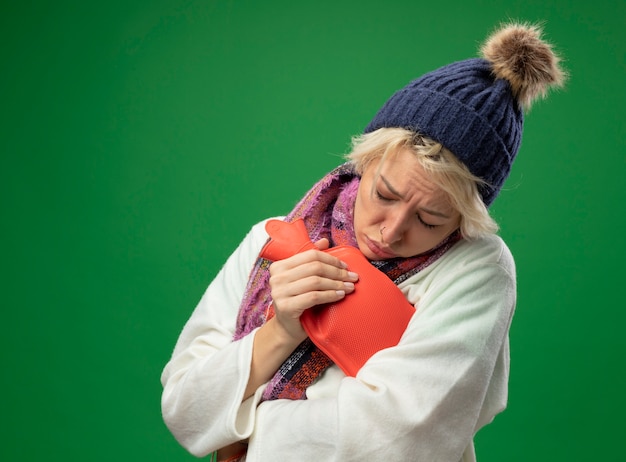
475 108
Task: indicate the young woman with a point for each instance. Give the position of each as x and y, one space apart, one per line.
246 382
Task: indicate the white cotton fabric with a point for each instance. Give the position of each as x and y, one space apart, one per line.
423 400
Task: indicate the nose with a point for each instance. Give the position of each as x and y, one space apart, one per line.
393 230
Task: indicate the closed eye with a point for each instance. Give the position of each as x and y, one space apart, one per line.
428 225
382 197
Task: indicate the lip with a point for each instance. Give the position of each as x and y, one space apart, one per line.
379 251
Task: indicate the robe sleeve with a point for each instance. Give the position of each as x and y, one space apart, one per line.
205 379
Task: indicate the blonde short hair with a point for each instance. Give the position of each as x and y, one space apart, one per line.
446 171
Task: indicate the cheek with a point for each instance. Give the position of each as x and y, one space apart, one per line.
422 240
357 217
364 211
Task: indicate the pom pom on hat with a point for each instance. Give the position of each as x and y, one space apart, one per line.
519 55
475 107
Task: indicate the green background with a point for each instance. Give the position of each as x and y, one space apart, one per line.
141 139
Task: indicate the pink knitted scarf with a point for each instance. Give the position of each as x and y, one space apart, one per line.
327 211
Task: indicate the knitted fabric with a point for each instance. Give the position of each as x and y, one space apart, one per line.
327 211
465 108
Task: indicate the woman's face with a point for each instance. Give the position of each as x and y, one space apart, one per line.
399 212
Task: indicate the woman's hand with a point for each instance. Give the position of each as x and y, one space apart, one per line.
305 280
297 283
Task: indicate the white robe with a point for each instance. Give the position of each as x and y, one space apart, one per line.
422 400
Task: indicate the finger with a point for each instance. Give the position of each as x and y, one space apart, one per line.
314 273
309 256
313 284
322 244
293 307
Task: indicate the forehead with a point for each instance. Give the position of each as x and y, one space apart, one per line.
403 174
402 168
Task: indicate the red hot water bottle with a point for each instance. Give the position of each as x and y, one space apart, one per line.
350 331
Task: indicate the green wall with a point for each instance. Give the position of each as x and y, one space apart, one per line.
141 139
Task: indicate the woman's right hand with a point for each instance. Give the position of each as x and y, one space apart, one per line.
305 280
297 283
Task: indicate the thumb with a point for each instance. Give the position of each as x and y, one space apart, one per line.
322 244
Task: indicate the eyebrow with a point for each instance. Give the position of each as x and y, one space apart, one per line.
423 209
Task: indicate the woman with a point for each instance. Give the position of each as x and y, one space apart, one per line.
413 197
